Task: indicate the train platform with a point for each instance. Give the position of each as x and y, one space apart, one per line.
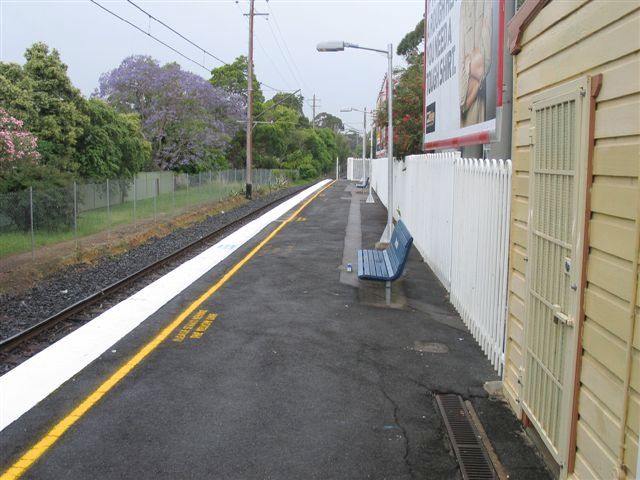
277 363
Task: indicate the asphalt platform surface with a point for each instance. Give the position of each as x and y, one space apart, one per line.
303 372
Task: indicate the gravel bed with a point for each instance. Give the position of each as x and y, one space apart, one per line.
79 281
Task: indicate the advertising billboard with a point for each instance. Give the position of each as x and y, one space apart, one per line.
463 72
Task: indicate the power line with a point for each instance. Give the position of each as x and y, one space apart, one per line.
264 50
280 49
150 35
295 66
186 57
358 129
177 33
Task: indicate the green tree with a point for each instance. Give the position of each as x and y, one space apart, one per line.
16 92
20 168
407 97
344 149
186 119
112 145
60 120
412 40
326 120
233 78
272 140
294 102
283 138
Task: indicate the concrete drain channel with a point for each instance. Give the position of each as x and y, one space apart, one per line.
465 440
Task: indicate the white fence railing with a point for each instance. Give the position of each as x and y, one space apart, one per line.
458 212
358 168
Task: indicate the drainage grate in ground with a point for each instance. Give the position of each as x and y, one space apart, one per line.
472 457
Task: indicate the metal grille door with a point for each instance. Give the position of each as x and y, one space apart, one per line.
555 222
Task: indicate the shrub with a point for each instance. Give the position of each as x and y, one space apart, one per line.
308 171
52 197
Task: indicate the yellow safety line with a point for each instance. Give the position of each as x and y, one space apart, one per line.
34 453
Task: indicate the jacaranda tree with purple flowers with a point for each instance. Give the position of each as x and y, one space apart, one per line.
188 121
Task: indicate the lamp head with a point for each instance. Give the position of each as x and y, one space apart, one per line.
332 46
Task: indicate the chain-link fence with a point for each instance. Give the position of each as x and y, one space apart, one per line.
86 214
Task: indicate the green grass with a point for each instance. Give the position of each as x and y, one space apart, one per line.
103 219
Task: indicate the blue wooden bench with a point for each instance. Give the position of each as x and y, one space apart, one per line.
386 265
363 185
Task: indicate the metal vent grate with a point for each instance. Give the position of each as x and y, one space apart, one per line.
473 460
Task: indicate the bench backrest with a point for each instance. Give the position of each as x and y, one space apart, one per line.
398 249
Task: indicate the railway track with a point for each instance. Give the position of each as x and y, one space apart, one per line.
22 345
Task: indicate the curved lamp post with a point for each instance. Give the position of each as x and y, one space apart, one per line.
339 46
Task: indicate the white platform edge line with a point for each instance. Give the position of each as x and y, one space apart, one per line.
33 380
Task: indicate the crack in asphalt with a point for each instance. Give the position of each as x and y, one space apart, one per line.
405 436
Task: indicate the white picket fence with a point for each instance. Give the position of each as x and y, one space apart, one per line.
358 169
458 212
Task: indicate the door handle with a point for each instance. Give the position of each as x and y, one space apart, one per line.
559 316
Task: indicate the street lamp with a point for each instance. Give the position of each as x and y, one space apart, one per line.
370 197
339 46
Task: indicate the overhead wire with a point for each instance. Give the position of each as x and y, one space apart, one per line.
177 33
293 62
281 50
264 50
150 35
173 49
359 129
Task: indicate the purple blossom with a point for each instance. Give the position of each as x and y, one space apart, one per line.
183 116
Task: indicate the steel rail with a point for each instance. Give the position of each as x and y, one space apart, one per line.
9 344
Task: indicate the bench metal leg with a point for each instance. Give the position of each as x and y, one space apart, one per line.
387 288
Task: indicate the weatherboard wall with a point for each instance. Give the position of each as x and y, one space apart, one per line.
567 40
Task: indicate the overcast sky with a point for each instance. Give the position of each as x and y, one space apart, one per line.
91 41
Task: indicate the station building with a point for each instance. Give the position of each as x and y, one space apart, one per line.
555 87
573 339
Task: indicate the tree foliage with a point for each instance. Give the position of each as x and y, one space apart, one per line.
113 144
186 119
17 145
233 78
52 196
407 97
145 115
294 102
20 168
326 120
282 137
42 94
74 135
411 41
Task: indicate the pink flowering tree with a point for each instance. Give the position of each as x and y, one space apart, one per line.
17 145
20 168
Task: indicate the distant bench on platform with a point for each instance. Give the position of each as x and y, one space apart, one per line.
363 185
386 265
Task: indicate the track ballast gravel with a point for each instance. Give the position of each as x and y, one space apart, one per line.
77 282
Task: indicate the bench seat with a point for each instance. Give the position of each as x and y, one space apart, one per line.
374 265
363 185
386 265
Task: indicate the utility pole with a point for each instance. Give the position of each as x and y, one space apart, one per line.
248 186
314 106
364 136
313 119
